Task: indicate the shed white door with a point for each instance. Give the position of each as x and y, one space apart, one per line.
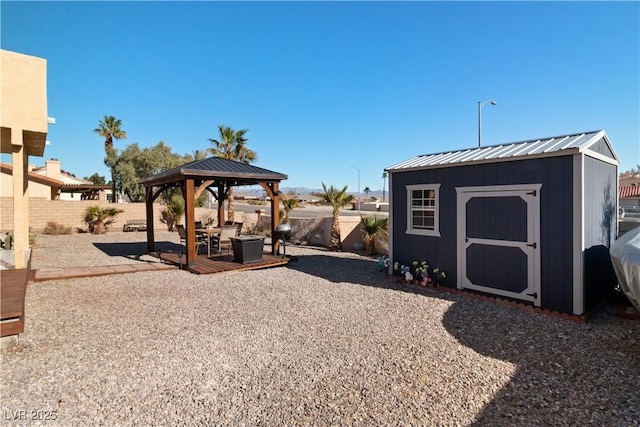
499 240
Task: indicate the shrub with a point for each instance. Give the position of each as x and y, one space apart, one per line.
99 219
54 228
173 211
372 226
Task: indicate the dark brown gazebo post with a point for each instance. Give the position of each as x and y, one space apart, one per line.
190 221
151 242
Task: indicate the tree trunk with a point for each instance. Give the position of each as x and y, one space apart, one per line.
114 197
99 227
371 244
335 243
230 210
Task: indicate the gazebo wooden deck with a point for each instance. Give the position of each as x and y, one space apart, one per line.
219 263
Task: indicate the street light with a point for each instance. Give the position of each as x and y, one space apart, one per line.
358 186
480 105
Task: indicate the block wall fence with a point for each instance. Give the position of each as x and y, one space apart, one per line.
314 232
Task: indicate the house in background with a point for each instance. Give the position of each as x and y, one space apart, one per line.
73 188
530 221
629 196
40 186
50 182
629 190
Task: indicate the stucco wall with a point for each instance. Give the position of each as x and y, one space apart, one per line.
36 190
24 92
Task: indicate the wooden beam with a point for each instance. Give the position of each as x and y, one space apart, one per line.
190 220
272 189
203 187
151 244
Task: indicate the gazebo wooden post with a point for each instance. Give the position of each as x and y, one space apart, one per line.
272 189
221 198
190 221
151 244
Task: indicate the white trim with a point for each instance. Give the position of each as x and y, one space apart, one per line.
578 234
601 157
601 135
564 152
436 217
390 242
499 189
463 195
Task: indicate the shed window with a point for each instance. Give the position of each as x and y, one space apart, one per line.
422 211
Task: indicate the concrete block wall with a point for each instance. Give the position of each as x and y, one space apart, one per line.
317 232
313 231
71 214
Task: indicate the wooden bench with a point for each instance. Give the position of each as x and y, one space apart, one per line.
13 289
135 225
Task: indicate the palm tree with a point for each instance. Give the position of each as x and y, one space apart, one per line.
289 204
197 155
372 226
110 128
336 199
233 146
366 192
384 183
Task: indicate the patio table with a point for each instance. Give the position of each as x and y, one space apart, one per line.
209 232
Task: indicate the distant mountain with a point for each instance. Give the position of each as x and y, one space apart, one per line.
302 191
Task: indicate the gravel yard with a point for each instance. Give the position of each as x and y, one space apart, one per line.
327 340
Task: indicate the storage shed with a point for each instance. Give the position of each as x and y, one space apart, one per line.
531 220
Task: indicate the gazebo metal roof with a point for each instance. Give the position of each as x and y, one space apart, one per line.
217 169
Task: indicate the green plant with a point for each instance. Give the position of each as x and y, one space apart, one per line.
55 228
8 240
372 226
110 128
289 204
336 199
232 145
98 219
174 209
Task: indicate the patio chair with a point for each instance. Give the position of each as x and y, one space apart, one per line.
201 238
223 240
239 226
182 232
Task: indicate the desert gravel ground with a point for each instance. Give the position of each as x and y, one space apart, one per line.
325 341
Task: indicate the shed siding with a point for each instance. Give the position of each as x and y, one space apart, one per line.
600 222
556 176
603 148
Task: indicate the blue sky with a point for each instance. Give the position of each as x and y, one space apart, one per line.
330 88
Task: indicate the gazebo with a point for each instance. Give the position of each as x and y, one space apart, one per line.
216 175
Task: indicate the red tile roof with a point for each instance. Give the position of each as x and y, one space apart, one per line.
629 191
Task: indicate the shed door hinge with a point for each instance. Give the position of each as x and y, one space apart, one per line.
534 295
532 193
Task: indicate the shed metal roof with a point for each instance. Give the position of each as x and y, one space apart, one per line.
542 147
